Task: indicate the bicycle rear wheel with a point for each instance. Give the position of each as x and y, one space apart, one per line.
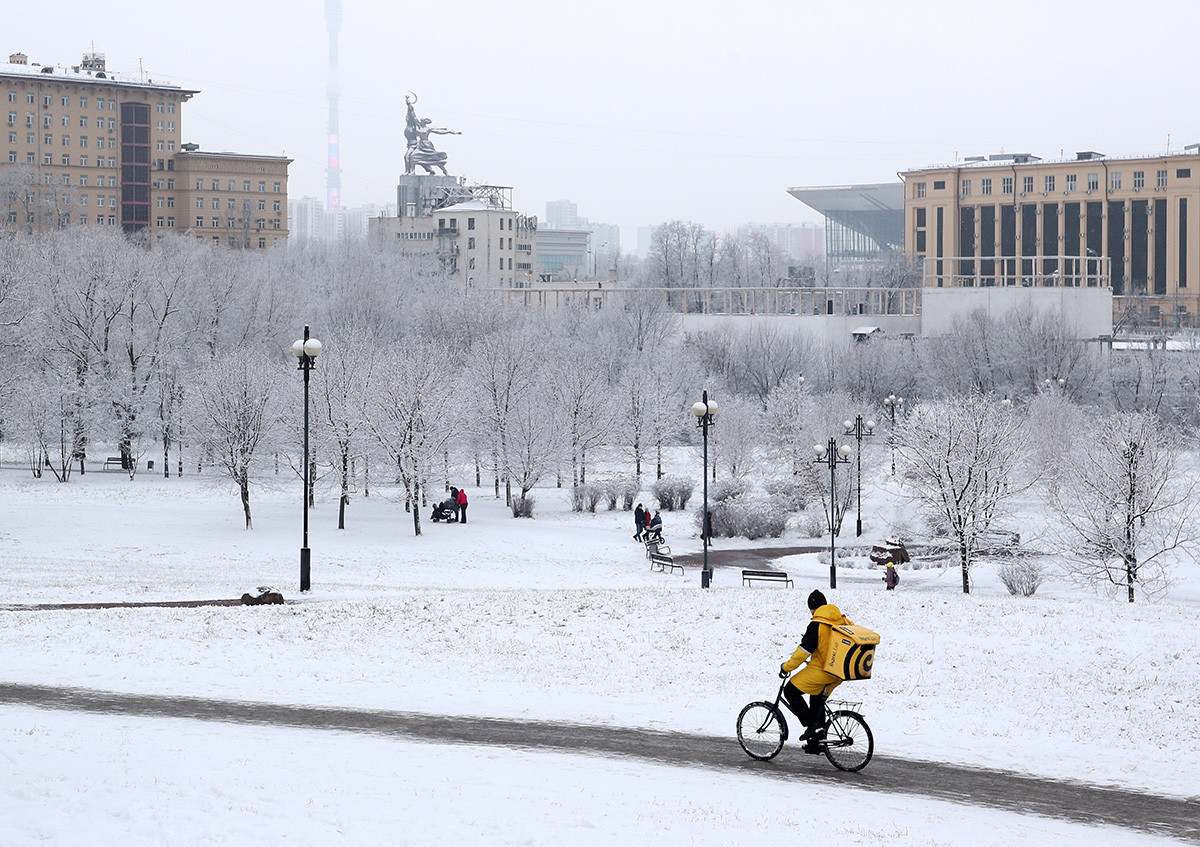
761 730
848 741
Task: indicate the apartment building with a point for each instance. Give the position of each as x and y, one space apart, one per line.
85 147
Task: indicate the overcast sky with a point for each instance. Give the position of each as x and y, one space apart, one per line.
643 112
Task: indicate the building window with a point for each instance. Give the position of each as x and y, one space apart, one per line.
159 222
262 243
919 190
12 97
29 98
1114 181
1139 180
1183 173
158 126
48 139
47 158
1160 179
158 107
278 188
83 102
170 202
199 184
216 185
171 184
199 221
245 185
12 118
232 204
1006 185
471 244
160 201
199 202
83 121
278 207
170 108
216 203
1093 182
262 206
170 222
262 186
158 145
1048 184
1027 185
46 100
985 186
216 223
1071 182
470 223
170 126
170 145
66 160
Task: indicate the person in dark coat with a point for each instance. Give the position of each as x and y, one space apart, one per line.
461 500
454 501
639 522
654 530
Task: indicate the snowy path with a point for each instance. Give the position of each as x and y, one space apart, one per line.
996 789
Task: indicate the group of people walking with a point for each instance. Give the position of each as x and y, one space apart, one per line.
646 527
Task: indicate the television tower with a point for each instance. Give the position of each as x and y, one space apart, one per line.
333 169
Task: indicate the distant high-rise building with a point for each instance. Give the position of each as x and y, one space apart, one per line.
604 239
86 146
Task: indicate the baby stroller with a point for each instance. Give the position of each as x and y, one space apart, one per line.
444 512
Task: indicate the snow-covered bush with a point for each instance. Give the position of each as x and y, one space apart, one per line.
812 524
578 498
747 515
1022 576
629 488
788 490
672 492
522 507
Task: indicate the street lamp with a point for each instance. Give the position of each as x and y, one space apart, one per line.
832 456
859 429
704 412
306 350
891 403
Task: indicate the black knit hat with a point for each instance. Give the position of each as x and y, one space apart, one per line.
815 601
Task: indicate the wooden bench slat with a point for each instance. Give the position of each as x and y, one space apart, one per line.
766 576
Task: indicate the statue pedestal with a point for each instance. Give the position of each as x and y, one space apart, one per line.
418 194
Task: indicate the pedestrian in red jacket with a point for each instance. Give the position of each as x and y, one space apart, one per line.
462 505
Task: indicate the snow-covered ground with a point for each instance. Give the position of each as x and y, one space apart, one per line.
556 618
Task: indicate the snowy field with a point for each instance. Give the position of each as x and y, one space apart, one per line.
558 618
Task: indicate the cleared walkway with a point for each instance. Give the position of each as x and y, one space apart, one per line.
1027 795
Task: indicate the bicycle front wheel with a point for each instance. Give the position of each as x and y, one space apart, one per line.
848 741
761 731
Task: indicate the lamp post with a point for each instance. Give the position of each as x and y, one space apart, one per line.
306 350
704 412
832 456
859 429
891 402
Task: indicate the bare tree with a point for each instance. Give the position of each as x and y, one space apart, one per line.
235 412
1126 505
960 460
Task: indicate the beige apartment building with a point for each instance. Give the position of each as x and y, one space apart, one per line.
87 148
471 230
1089 221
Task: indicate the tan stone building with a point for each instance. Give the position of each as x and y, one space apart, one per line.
87 148
471 230
1088 221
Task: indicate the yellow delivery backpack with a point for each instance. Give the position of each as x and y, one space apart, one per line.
851 651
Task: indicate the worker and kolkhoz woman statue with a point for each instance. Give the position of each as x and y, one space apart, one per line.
420 150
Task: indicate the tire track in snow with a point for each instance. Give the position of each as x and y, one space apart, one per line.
1004 790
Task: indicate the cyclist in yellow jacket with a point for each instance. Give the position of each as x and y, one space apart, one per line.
812 678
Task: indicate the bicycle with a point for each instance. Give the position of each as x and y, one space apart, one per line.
844 737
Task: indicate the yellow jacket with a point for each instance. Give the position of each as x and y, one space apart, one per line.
815 643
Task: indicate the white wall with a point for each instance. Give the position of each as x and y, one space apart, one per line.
1090 309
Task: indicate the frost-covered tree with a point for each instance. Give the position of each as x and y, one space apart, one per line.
235 412
961 460
1126 504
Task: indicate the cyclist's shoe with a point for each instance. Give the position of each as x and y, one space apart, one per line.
812 746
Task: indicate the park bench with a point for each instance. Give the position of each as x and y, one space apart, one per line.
664 562
113 462
766 576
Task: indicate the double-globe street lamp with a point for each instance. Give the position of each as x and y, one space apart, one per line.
832 455
859 429
704 411
891 403
306 350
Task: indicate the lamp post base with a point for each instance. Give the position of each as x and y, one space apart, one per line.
305 568
705 578
858 531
